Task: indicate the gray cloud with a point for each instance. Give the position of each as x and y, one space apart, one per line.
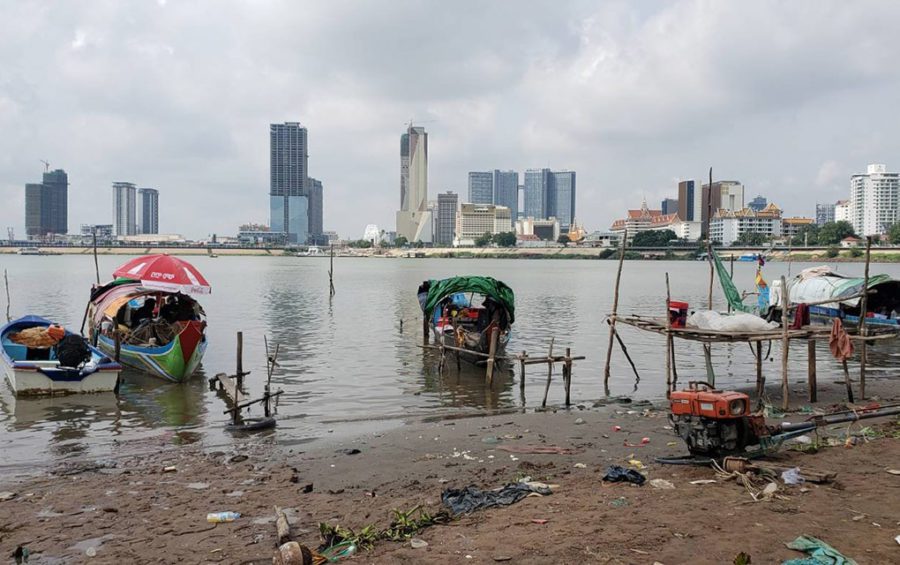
789 98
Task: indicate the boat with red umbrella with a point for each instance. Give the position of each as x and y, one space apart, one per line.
151 310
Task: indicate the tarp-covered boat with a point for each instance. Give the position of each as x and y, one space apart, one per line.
160 327
464 311
40 357
818 284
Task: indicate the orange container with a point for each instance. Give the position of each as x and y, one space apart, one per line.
678 312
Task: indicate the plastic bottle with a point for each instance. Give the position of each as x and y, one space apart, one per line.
216 517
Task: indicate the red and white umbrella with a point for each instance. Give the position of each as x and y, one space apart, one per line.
166 273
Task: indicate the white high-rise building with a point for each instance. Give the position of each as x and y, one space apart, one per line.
842 211
874 200
414 218
124 208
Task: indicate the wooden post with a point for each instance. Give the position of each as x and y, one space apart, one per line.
492 351
785 344
567 374
847 381
811 370
615 309
331 276
668 339
96 265
709 200
760 380
549 373
239 363
863 303
731 274
522 371
118 353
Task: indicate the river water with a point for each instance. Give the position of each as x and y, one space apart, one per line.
348 366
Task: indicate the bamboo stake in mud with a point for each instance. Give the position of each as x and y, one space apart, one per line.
239 362
847 381
549 373
863 303
567 374
785 344
730 274
612 317
668 339
709 200
811 370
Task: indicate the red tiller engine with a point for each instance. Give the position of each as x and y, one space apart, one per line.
714 422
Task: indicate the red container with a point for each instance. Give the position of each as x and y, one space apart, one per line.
678 312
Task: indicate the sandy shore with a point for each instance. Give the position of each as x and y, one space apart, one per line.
130 511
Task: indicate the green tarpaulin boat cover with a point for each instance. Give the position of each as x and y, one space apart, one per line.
731 291
486 286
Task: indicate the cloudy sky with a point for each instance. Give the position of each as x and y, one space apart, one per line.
788 97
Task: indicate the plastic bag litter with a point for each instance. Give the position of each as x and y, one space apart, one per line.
661 484
469 499
712 320
617 474
792 477
819 553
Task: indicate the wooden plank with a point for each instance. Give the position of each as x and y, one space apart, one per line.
229 385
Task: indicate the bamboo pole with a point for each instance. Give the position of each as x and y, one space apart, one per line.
863 303
331 274
709 237
847 381
6 281
785 344
627 356
522 371
96 264
811 370
549 373
567 374
731 274
668 339
760 380
424 329
615 310
239 362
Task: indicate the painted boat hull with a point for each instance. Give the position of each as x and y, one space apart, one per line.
46 377
168 362
474 358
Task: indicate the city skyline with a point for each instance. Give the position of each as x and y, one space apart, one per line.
142 101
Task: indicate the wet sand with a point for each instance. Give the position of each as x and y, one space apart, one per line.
130 510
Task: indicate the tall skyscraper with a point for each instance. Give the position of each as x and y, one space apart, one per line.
537 183
446 218
148 210
46 205
124 202
481 187
316 228
874 200
687 203
561 198
669 206
413 218
725 194
288 173
506 191
824 214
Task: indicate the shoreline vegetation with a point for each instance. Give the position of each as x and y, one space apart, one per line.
843 255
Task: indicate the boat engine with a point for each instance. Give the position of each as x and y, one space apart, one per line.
714 422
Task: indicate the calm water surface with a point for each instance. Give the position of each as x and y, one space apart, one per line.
346 366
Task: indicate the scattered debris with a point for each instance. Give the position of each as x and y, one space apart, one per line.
619 502
197 486
417 543
6 495
891 471
661 484
539 521
636 463
352 451
539 449
238 459
703 482
469 499
170 469
792 477
580 466
218 517
579 421
617 474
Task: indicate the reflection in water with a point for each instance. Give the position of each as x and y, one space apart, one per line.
345 364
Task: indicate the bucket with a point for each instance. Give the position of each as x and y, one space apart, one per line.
678 312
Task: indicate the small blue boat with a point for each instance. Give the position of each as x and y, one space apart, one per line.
36 362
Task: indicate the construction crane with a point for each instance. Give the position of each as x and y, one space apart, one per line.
409 124
46 165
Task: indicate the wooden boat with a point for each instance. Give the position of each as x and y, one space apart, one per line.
40 357
464 311
160 332
817 285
